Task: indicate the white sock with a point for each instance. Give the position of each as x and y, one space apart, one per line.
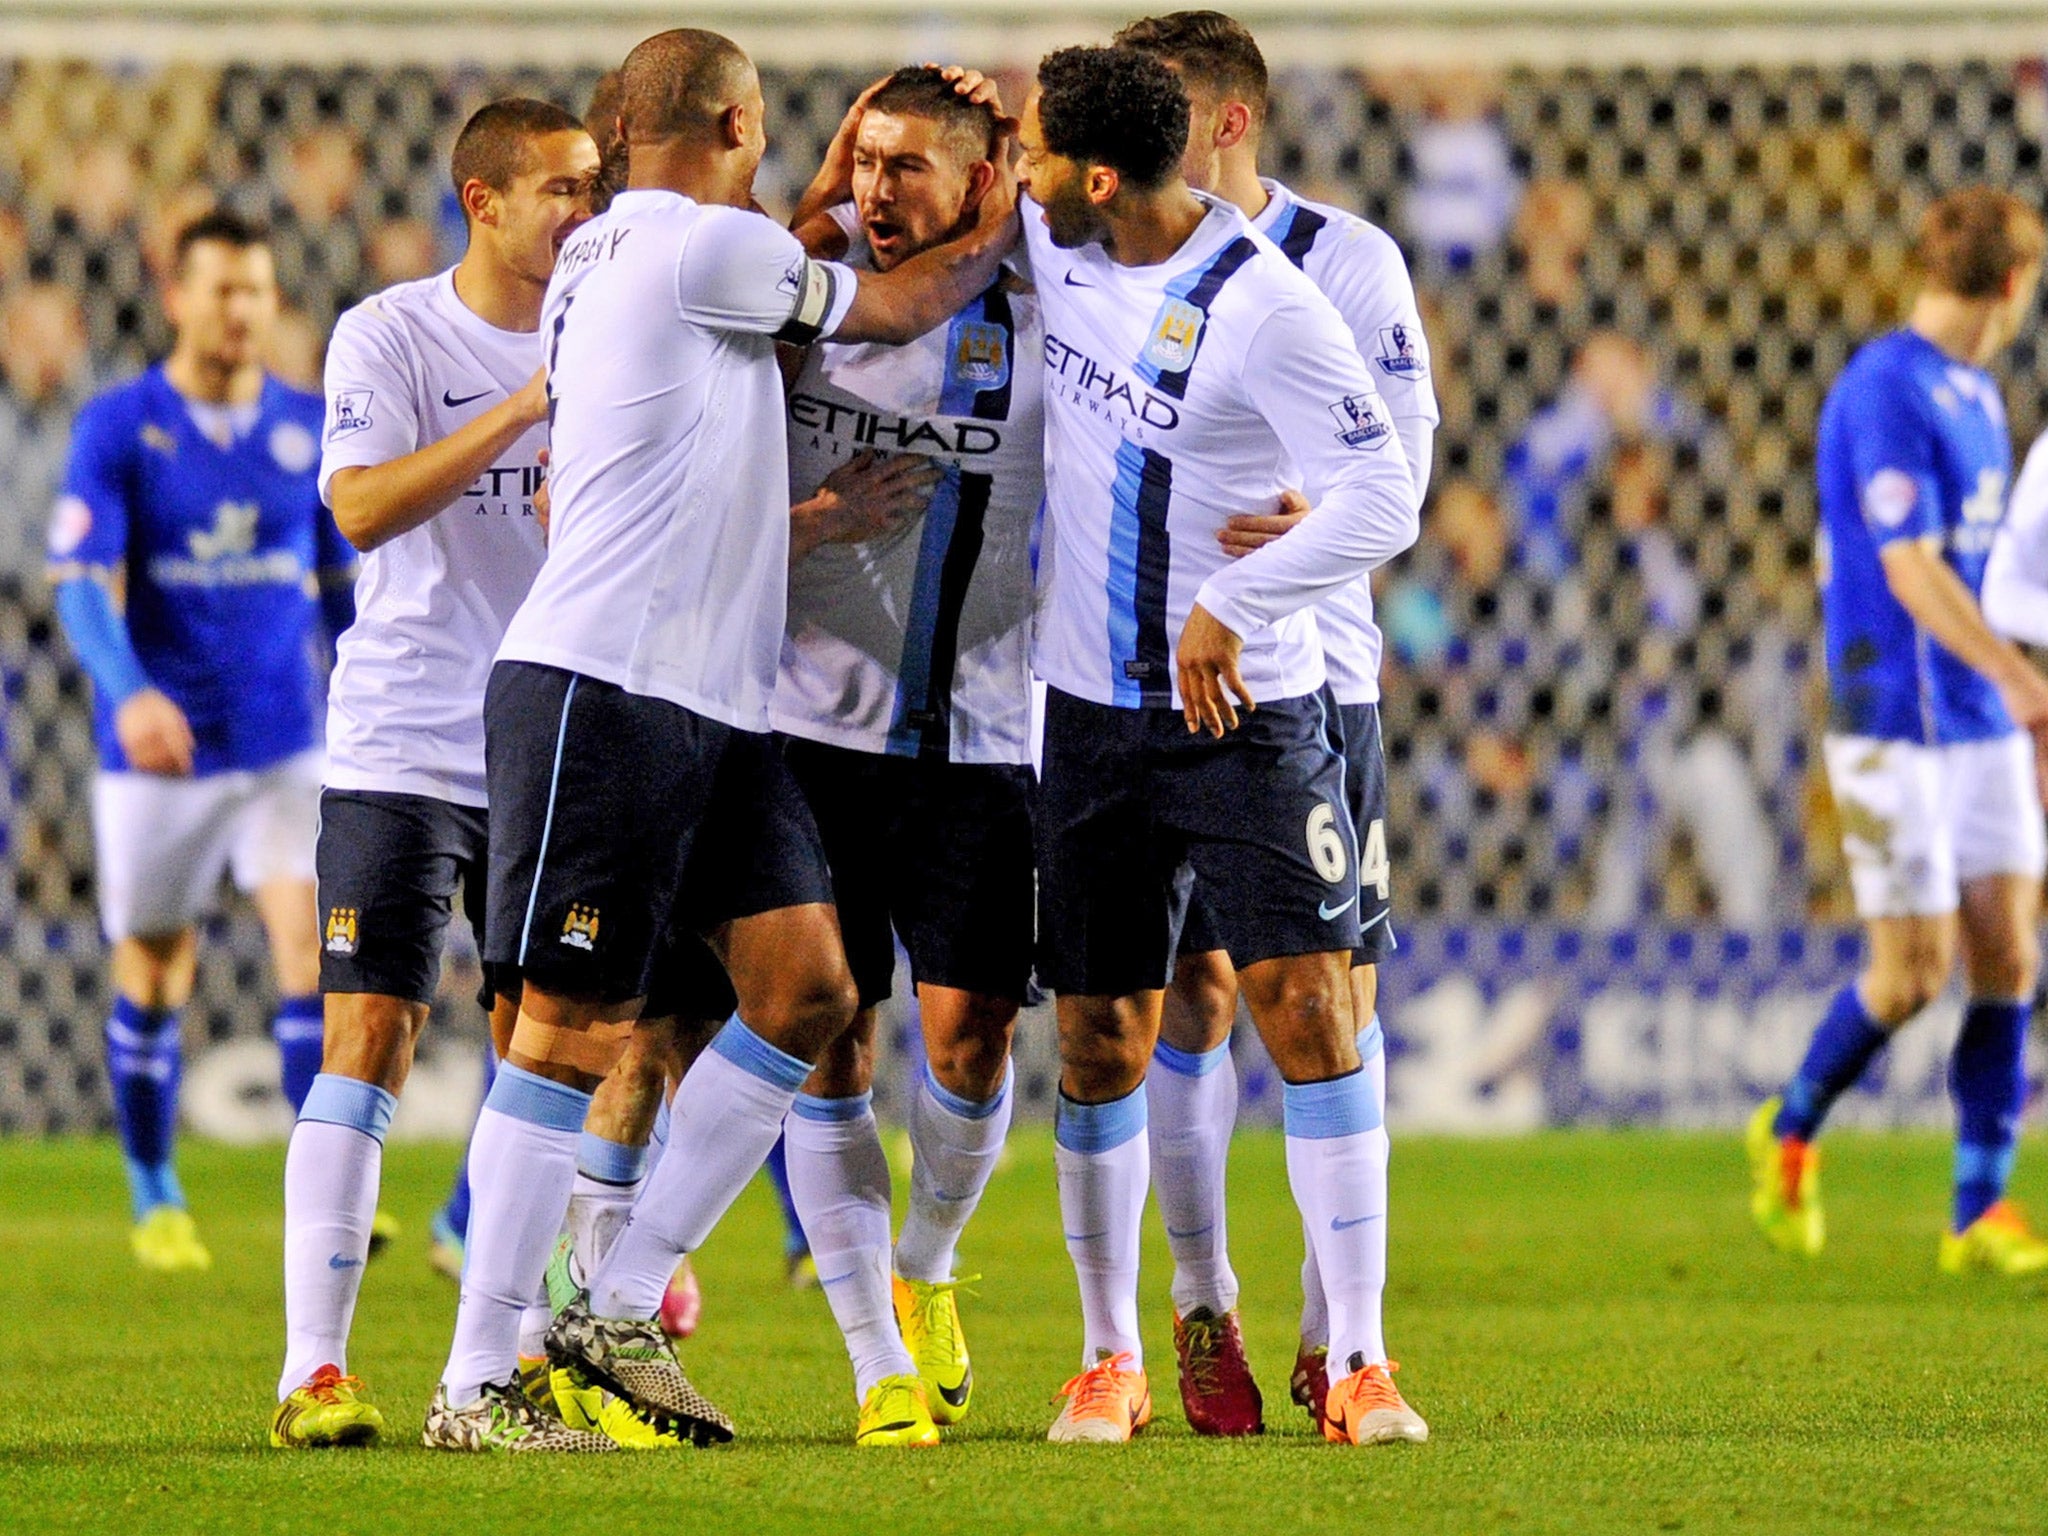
956 1144
1192 1100
522 1163
1337 1166
609 1177
331 1172
1315 1310
534 1319
839 1180
1104 1166
722 1124
657 1140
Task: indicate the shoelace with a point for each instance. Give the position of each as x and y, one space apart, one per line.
328 1384
1092 1394
940 1320
1204 1338
1376 1387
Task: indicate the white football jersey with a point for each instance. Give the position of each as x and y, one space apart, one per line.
918 643
669 565
1360 270
405 707
1178 396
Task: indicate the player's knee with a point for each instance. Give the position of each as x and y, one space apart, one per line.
1304 1015
1895 993
970 1060
575 1053
2009 971
846 1068
1201 1005
1102 1055
157 972
371 1038
807 1009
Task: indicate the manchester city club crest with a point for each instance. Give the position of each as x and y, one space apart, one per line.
980 355
1359 422
1175 335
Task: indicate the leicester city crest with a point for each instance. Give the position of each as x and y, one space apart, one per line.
1175 335
980 355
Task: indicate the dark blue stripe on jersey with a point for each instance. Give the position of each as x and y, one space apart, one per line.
994 404
1302 230
1140 557
958 395
1197 291
954 528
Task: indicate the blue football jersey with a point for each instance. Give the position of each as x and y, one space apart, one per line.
220 551
1913 445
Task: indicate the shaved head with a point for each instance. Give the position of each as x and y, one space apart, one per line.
681 84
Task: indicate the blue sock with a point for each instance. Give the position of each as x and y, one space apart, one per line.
794 1242
299 1030
1987 1078
1842 1047
143 1061
454 1215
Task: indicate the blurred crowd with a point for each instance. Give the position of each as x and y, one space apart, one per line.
1601 668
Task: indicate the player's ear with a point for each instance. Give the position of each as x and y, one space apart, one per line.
1102 183
1234 122
733 123
479 202
980 177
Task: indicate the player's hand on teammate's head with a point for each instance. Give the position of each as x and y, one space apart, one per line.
154 734
979 89
1209 679
869 495
1255 530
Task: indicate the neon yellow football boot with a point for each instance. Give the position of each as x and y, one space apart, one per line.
1999 1242
928 1315
1785 1186
328 1409
384 1231
895 1413
167 1240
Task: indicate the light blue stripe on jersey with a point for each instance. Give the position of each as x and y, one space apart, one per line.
914 670
957 389
1126 691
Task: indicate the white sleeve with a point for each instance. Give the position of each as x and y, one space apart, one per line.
1366 278
2015 594
372 412
1303 374
741 271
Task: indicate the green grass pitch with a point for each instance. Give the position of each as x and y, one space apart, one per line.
1597 1338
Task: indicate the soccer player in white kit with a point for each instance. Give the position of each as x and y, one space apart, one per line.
635 793
436 418
905 690
1190 1084
1193 373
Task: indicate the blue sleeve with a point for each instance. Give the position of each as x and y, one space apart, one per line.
98 633
1541 469
1893 458
89 525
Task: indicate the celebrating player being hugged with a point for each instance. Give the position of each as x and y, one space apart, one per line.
1190 1085
1192 374
435 422
192 560
638 804
1934 726
905 690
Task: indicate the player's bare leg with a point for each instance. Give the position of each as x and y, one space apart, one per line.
292 925
153 978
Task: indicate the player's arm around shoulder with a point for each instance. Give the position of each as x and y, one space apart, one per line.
376 475
902 304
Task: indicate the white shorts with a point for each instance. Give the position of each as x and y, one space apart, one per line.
164 843
1918 821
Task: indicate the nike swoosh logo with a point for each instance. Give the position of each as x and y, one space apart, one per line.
338 1262
1086 1237
1192 1231
1368 927
1339 1224
1328 913
1069 279
957 1396
451 401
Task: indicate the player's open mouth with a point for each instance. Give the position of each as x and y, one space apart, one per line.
882 234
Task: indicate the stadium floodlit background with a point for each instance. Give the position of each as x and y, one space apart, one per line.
1618 878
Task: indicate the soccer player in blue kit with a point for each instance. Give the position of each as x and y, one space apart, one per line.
1934 722
192 560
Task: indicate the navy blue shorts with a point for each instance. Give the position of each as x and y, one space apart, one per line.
1133 808
389 866
1365 791
621 826
936 852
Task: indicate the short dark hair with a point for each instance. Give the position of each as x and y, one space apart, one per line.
919 90
1972 240
1216 50
601 122
218 226
679 82
493 145
1115 107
